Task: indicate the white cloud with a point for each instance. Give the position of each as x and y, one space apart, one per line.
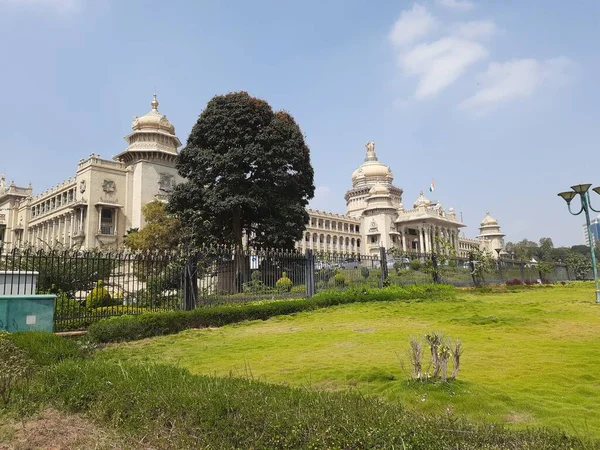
476 29
440 63
323 198
412 25
515 79
460 5
61 6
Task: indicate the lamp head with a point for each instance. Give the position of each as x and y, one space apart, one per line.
567 196
597 190
581 188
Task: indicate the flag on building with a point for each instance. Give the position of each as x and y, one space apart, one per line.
432 186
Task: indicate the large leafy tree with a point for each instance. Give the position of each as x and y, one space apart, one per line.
248 172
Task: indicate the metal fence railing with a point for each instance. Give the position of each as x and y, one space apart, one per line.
93 285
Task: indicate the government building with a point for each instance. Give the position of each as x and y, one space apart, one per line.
376 217
104 198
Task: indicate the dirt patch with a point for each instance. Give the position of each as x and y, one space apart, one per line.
53 430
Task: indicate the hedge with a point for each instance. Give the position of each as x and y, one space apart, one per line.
129 328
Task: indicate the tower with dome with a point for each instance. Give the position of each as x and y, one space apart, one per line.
103 199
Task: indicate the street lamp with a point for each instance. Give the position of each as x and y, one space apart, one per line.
583 191
498 250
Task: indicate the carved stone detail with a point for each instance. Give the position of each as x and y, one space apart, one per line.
166 183
109 186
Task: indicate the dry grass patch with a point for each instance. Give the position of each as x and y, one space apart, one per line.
57 431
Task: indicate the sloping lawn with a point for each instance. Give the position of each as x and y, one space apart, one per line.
532 357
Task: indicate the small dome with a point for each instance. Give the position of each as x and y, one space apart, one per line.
450 210
422 201
153 120
488 221
400 207
379 189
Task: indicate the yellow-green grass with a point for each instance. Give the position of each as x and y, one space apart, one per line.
531 357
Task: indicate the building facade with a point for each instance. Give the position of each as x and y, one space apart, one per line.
103 200
376 217
594 230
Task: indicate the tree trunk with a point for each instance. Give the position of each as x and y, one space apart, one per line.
240 260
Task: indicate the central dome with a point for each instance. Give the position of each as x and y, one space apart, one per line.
153 120
371 171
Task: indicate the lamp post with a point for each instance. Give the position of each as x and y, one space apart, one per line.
498 250
584 195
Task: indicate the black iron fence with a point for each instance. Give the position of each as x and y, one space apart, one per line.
93 285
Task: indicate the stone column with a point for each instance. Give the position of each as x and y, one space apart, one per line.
421 240
403 237
65 232
99 219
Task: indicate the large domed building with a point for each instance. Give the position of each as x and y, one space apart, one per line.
103 199
376 217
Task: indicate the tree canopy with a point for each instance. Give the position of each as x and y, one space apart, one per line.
248 171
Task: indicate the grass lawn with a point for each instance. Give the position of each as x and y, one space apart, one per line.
531 357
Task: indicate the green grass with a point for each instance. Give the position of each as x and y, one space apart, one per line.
532 356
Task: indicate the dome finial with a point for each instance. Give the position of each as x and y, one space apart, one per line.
154 103
371 156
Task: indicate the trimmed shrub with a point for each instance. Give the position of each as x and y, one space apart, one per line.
98 297
339 280
415 264
127 328
65 307
284 284
255 285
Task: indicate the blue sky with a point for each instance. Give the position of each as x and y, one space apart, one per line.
498 101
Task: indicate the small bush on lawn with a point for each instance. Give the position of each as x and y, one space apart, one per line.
126 328
165 404
441 349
